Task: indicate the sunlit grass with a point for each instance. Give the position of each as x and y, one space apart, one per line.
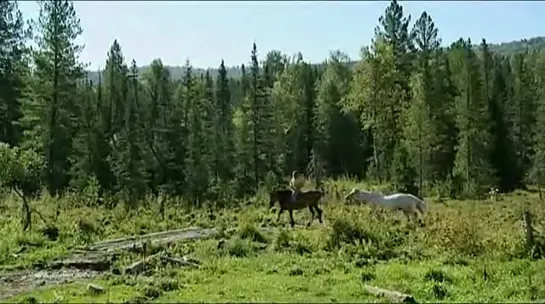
467 251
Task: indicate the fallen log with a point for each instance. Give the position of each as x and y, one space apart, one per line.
157 237
391 295
139 266
84 260
97 264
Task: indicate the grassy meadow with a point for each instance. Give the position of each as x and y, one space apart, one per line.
468 251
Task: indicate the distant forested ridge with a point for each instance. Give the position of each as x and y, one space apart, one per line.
505 48
430 120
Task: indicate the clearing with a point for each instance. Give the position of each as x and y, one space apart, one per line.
467 251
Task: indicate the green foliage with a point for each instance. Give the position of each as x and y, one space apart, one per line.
457 120
56 76
404 172
462 244
20 169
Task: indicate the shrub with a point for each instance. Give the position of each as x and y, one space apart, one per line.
238 247
250 232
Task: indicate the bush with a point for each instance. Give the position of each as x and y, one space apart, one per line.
250 232
350 231
239 248
462 235
282 240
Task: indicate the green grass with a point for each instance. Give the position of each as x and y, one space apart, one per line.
274 277
468 251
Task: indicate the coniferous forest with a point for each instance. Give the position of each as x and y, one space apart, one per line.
456 120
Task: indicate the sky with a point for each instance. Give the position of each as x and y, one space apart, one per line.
209 31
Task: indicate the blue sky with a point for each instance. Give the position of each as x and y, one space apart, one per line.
206 32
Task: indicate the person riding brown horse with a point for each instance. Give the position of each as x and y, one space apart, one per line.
297 182
307 199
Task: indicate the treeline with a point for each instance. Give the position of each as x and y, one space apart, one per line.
505 48
454 120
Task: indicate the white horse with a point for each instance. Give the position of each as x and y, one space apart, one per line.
408 203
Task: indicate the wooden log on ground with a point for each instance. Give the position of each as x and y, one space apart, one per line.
139 266
391 295
82 263
164 236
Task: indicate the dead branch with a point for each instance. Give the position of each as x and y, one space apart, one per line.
392 296
27 213
34 210
530 238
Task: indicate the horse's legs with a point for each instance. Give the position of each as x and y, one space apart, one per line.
311 212
418 216
319 214
408 215
420 208
292 221
312 215
279 213
376 212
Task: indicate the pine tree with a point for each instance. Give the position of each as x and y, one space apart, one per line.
444 130
14 71
522 111
157 115
472 164
419 128
393 29
57 72
242 117
503 152
85 155
197 170
537 172
128 157
337 131
258 113
256 99
224 131
287 97
374 96
112 102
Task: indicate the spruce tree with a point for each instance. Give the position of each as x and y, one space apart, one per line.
57 72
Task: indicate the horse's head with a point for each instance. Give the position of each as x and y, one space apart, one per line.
353 193
361 196
273 198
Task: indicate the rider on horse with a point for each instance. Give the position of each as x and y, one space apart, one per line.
296 183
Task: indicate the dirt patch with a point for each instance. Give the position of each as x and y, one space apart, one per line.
89 263
24 281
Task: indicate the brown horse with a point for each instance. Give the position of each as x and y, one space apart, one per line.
304 199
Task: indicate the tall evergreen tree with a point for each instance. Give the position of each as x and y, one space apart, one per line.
57 72
522 111
128 156
224 131
472 165
14 71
